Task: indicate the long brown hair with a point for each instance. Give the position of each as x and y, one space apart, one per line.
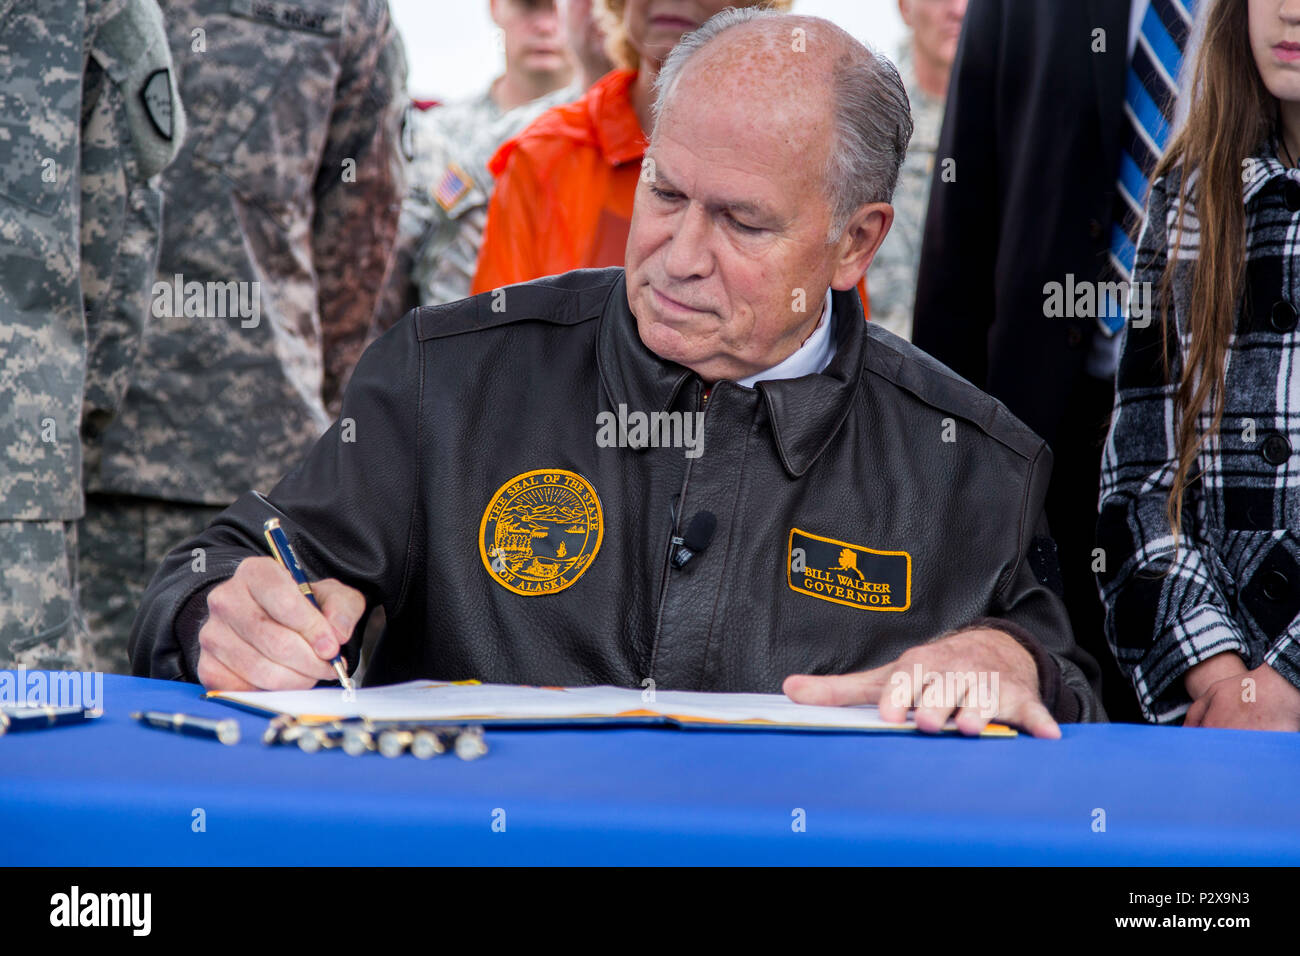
1231 112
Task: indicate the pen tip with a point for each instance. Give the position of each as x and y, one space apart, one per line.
344 679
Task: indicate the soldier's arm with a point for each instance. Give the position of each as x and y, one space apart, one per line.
444 270
350 509
399 293
358 188
132 127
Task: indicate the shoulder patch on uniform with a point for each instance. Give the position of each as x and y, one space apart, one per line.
156 94
848 574
453 185
291 16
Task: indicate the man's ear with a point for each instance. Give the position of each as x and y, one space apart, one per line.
856 248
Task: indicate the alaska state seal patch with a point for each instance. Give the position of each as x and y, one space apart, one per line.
541 531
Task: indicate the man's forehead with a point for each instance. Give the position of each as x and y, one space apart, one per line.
720 176
741 156
757 62
779 119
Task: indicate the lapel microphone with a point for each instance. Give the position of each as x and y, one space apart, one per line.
696 539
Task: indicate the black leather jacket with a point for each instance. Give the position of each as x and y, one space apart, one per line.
858 512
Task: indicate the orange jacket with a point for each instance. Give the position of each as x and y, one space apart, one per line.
564 190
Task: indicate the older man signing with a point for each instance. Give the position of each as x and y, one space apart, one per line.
704 470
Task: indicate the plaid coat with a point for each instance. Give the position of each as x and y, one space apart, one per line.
1234 583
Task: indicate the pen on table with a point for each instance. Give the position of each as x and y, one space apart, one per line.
227 731
38 718
280 547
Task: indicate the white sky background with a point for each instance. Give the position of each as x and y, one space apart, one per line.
451 53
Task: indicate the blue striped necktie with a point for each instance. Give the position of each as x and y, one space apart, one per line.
1150 98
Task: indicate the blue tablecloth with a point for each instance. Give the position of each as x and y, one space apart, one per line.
118 793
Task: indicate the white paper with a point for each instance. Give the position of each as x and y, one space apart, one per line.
425 700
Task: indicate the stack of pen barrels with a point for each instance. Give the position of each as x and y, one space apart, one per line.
392 739
354 737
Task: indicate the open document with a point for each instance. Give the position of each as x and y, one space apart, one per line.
511 705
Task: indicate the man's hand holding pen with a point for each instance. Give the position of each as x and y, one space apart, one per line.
261 634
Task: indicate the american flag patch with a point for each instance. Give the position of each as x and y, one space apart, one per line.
455 184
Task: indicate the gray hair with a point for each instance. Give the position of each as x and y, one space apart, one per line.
873 116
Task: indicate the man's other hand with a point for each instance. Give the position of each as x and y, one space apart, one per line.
1005 685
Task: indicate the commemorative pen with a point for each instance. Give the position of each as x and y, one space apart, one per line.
38 718
227 731
279 542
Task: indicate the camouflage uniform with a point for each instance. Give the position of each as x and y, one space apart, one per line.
291 178
89 114
136 534
447 198
891 280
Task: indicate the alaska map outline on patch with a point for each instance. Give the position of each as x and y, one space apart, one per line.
850 574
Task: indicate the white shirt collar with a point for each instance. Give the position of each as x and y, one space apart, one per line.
808 359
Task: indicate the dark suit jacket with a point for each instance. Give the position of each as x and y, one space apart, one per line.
1034 122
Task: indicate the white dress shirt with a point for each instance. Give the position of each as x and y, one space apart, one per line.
808 359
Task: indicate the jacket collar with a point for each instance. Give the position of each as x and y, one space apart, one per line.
805 412
1263 169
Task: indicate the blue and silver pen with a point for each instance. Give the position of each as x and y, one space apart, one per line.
279 543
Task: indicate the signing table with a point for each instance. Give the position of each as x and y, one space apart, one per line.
116 792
